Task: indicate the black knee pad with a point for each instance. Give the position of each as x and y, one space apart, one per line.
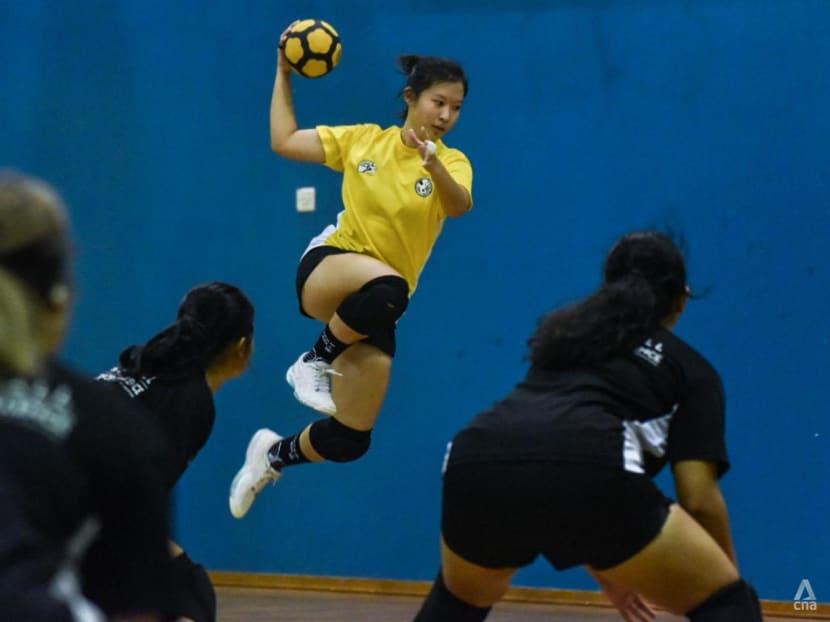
441 604
737 602
337 442
195 596
376 306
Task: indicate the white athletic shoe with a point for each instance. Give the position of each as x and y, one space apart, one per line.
311 381
254 474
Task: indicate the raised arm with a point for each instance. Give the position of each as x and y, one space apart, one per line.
286 139
698 492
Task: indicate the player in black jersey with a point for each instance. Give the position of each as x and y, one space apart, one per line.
83 508
562 466
174 376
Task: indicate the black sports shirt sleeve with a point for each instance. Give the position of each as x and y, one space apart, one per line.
697 430
185 411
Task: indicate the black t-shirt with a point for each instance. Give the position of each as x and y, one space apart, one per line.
71 455
662 402
28 565
182 406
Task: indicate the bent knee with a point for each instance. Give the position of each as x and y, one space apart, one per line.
736 601
376 306
337 442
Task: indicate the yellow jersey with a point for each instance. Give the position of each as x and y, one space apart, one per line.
391 209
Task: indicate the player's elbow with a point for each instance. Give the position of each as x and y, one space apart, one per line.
280 141
456 210
457 205
278 146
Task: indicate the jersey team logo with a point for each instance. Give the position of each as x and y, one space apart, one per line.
423 187
651 351
367 166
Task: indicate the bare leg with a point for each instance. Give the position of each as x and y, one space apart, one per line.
474 584
359 393
679 569
336 277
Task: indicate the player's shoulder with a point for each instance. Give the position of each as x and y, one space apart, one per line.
189 391
81 385
695 364
353 130
451 153
88 394
367 128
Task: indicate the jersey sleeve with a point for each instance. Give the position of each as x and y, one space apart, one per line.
697 431
337 139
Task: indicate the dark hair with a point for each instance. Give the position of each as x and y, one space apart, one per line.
644 275
210 319
43 266
424 71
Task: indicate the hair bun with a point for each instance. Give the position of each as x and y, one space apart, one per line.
408 62
30 210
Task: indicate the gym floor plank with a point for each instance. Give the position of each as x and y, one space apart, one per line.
261 605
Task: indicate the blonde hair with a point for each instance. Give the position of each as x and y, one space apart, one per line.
20 350
34 280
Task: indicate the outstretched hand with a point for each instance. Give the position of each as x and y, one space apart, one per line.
425 146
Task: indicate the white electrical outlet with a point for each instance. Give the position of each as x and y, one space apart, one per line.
306 199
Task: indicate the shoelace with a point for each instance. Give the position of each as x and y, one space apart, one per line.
266 479
322 376
271 476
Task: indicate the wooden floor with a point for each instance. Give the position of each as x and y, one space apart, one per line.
261 605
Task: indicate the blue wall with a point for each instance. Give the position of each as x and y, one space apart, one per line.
585 119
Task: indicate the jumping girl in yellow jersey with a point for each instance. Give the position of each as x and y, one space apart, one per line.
399 185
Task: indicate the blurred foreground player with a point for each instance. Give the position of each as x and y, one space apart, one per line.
83 535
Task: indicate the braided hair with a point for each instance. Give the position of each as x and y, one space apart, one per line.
211 318
644 274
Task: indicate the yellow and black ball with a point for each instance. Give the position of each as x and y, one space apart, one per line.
312 47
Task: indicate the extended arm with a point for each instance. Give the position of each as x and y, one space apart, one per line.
699 493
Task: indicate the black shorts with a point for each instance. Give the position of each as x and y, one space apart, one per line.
383 340
501 515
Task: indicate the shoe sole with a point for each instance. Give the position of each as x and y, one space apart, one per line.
240 514
289 378
239 473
